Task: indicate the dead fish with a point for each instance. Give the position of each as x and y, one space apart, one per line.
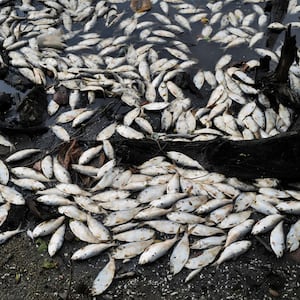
129 132
157 250
56 240
11 195
6 235
69 116
22 154
104 278
239 231
89 154
90 251
98 229
54 200
293 237
135 235
121 204
107 132
47 166
72 189
120 217
184 160
234 219
290 207
4 173
110 195
6 143
47 227
167 200
28 184
209 242
204 259
25 172
204 230
164 226
234 250
82 232
72 212
267 223
277 239
180 254
130 250
4 210
184 217
84 116
151 213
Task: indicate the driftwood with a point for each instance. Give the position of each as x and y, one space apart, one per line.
272 157
274 84
277 10
278 156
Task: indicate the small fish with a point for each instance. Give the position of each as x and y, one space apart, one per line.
6 235
277 239
25 172
157 250
267 223
22 154
56 240
54 200
120 217
12 196
28 184
84 116
82 232
135 235
234 250
184 160
98 229
90 251
209 242
290 207
4 210
107 132
234 219
61 133
104 278
184 218
129 132
4 173
89 154
60 172
72 189
47 227
5 142
72 212
47 166
239 231
164 226
180 255
293 237
130 250
204 259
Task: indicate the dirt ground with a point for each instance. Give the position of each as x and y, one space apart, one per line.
27 272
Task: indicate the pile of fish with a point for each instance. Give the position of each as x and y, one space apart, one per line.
93 47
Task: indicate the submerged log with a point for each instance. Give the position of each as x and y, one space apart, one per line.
272 157
274 84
